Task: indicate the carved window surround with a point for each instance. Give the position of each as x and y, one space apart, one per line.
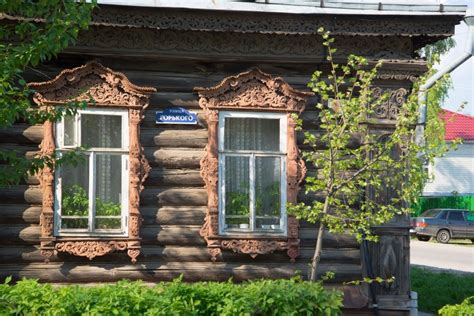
109 89
250 91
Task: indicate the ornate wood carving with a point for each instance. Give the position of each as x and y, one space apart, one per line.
253 90
108 89
154 42
251 22
104 86
90 249
390 108
161 18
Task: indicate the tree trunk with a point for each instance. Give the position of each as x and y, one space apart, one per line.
319 245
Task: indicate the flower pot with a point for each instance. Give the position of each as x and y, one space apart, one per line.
244 226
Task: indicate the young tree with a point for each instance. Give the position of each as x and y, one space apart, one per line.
32 32
356 165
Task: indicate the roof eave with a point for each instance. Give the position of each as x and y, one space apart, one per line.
304 8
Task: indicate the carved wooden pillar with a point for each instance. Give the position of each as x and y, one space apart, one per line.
46 178
139 169
389 257
295 173
209 172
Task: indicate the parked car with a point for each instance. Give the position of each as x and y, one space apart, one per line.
444 224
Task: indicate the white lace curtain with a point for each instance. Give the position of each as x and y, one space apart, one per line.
253 134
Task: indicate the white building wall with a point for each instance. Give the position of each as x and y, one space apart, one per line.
453 173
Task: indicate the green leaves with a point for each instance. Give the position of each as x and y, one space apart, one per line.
44 29
365 177
263 297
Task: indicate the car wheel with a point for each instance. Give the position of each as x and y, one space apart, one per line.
443 236
423 238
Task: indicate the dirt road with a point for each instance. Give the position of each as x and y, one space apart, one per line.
442 256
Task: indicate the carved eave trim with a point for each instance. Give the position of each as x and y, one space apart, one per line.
253 90
266 23
92 80
107 88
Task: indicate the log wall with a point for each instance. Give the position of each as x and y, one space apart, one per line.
173 203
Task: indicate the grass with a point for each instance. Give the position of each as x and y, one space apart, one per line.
436 289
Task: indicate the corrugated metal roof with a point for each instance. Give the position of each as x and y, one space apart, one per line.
352 7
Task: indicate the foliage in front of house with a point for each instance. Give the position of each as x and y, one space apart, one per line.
466 308
265 297
25 44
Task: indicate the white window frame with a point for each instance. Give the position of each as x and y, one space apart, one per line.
91 153
282 153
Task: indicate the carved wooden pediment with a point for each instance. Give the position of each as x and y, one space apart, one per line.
104 86
254 90
108 89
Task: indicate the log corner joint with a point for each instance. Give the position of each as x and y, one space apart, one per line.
99 87
253 90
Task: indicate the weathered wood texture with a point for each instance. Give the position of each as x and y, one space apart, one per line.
173 202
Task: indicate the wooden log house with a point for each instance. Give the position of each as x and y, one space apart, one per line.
156 195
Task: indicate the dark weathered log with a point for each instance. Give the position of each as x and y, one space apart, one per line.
109 272
153 254
22 134
161 100
163 137
174 196
20 234
178 177
174 215
21 194
174 158
19 214
355 140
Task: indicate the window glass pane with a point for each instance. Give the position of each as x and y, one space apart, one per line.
69 130
430 213
108 188
108 223
252 134
104 131
443 215
237 202
469 216
456 216
267 192
75 223
75 195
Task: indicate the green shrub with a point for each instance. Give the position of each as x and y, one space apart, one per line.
263 297
466 308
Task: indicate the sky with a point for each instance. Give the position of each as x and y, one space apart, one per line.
463 76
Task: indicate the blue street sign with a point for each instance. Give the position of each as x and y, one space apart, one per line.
176 115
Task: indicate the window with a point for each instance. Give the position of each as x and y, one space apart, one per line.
92 209
92 197
443 215
252 166
456 216
252 177
469 216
